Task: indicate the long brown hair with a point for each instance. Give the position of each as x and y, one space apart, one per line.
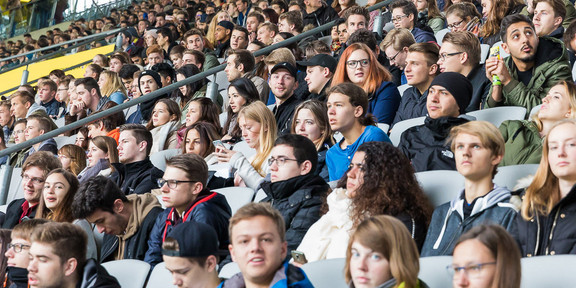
500 9
77 157
62 213
318 109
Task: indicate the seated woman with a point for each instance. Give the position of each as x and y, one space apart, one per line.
463 17
111 86
200 139
73 158
164 125
311 121
429 15
187 92
547 223
241 92
486 256
359 65
55 204
381 253
102 152
379 181
493 11
200 110
259 131
524 137
478 148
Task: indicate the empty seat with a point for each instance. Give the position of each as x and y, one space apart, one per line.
403 88
384 127
440 35
64 140
440 186
433 271
548 271
229 270
236 196
15 190
327 273
508 176
160 277
400 127
159 158
497 115
484 51
130 273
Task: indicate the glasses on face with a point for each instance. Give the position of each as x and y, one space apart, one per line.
280 161
18 247
172 184
35 180
394 57
472 270
455 24
443 56
354 63
398 18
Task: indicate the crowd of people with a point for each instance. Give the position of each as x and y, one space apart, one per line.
104 199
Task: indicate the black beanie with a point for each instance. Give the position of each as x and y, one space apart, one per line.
154 75
458 85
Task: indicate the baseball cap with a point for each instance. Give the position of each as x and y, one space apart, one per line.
285 65
323 60
194 239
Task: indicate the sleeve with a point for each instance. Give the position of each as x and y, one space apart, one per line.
436 24
245 170
117 97
504 130
386 103
154 253
302 220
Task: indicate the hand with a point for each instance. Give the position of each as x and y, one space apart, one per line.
224 155
497 67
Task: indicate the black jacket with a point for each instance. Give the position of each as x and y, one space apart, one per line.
17 277
554 234
481 86
95 276
138 177
412 105
426 146
299 200
322 168
283 114
320 17
13 213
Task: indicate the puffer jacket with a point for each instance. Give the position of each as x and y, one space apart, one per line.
553 234
287 276
551 66
412 105
448 221
523 142
299 200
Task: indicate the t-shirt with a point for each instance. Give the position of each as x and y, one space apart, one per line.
338 159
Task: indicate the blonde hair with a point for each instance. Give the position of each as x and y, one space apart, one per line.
212 28
112 83
280 55
258 112
571 91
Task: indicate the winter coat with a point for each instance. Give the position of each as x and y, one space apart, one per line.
423 36
523 142
138 177
287 276
320 17
384 102
448 221
284 113
412 105
14 211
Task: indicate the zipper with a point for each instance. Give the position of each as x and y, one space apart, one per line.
552 230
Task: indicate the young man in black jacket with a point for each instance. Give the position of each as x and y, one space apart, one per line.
126 221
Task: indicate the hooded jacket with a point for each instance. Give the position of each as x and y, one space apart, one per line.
94 276
134 243
287 276
448 221
137 177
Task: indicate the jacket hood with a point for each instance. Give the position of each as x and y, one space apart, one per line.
440 127
549 49
141 205
497 195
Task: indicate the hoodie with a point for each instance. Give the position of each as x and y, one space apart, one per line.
448 221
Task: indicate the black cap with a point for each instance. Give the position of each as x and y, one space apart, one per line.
285 65
323 60
226 24
194 239
458 85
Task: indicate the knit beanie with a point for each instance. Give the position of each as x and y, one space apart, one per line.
458 85
154 75
226 24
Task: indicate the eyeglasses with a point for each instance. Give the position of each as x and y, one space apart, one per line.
472 270
280 161
398 18
354 63
443 56
18 247
172 184
394 57
35 180
455 24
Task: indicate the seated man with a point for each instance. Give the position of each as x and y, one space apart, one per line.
34 171
395 46
58 259
190 253
548 18
126 221
36 126
425 145
47 95
404 15
250 224
186 198
194 40
241 63
22 105
283 83
347 105
534 66
319 72
293 188
478 148
107 126
89 96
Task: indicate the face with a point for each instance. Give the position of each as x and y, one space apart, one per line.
95 154
250 131
441 103
32 184
102 80
562 152
161 115
252 24
356 22
521 42
223 17
231 70
33 129
45 268
236 101
282 84
449 61
343 33
193 114
470 253
341 114
5 116
257 248
544 20
238 40
358 73
55 189
473 160
265 35
314 78
148 84
355 174
45 94
289 169
61 94
421 5
277 9
185 274
221 33
278 38
401 20
129 149
183 88
195 42
176 61
115 65
283 26
18 259
98 61
17 108
155 58
556 104
109 223
183 194
194 144
455 23
307 125
417 70
486 7
19 132
150 40
395 57
368 268
84 95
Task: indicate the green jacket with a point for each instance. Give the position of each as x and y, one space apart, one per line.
523 142
551 66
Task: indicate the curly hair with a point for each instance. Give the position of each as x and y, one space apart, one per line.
390 187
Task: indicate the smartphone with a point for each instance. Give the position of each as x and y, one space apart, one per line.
299 257
218 142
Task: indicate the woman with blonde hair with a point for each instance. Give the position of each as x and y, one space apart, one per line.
381 253
111 86
259 132
524 137
73 158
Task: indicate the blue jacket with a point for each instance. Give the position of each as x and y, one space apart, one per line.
448 221
423 36
52 107
209 207
338 159
384 102
287 276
